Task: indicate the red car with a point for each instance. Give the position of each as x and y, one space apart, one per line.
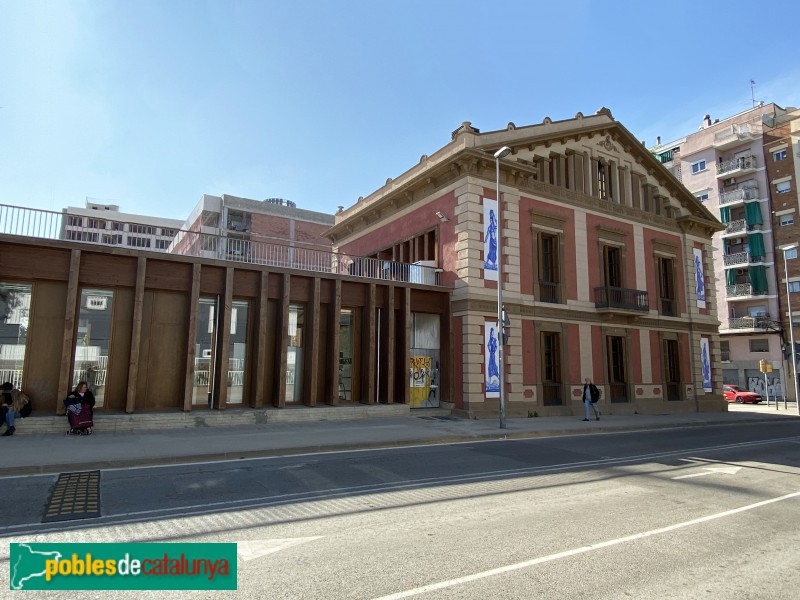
733 393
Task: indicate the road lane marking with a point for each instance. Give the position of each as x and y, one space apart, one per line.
582 550
731 470
333 493
252 549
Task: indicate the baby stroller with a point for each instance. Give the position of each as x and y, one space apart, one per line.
80 418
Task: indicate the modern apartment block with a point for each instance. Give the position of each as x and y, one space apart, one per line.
241 228
730 165
782 161
105 224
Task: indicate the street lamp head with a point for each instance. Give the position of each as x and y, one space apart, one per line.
503 152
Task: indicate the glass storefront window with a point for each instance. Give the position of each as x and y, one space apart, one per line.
424 371
15 305
92 341
237 351
294 356
346 354
205 343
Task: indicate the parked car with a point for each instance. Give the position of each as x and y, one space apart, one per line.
733 393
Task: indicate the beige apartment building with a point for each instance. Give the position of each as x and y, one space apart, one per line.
738 167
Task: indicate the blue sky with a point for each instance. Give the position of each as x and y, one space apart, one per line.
151 104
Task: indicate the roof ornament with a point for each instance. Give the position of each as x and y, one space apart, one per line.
547 121
511 126
606 143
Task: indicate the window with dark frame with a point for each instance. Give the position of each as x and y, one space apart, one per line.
672 370
612 264
666 287
548 268
551 368
617 380
759 345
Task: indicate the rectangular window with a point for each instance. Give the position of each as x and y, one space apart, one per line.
786 220
725 351
779 155
238 352
112 239
82 236
145 229
759 345
602 183
666 287
794 286
96 224
672 370
551 368
612 261
791 253
702 197
137 242
615 348
783 187
170 233
15 304
346 354
548 268
698 167
205 347
163 244
117 226
75 221
294 355
93 342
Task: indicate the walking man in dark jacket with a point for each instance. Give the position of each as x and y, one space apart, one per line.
590 397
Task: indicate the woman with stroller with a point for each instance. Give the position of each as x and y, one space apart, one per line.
80 400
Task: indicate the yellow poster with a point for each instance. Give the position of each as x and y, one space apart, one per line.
420 380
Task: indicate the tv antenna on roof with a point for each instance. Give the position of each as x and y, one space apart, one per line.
752 93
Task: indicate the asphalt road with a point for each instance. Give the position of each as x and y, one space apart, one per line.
681 513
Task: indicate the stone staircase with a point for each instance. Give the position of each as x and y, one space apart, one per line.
120 422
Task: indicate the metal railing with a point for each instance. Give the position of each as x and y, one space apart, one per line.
552 394
548 292
42 224
615 297
736 226
618 392
740 195
673 391
737 164
741 258
741 289
669 307
759 322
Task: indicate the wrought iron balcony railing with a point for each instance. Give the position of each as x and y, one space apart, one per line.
622 298
741 258
548 292
758 322
744 163
30 222
740 195
736 226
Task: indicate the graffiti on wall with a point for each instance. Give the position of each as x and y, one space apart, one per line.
774 386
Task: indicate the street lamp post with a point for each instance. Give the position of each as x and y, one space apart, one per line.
503 152
785 249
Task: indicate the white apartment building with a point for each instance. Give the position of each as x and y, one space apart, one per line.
723 165
105 224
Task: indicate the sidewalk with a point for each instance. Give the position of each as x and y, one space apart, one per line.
54 453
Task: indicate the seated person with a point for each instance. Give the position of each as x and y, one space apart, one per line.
14 404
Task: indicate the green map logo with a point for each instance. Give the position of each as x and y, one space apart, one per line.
123 566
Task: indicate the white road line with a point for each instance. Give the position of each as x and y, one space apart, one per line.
575 551
278 499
